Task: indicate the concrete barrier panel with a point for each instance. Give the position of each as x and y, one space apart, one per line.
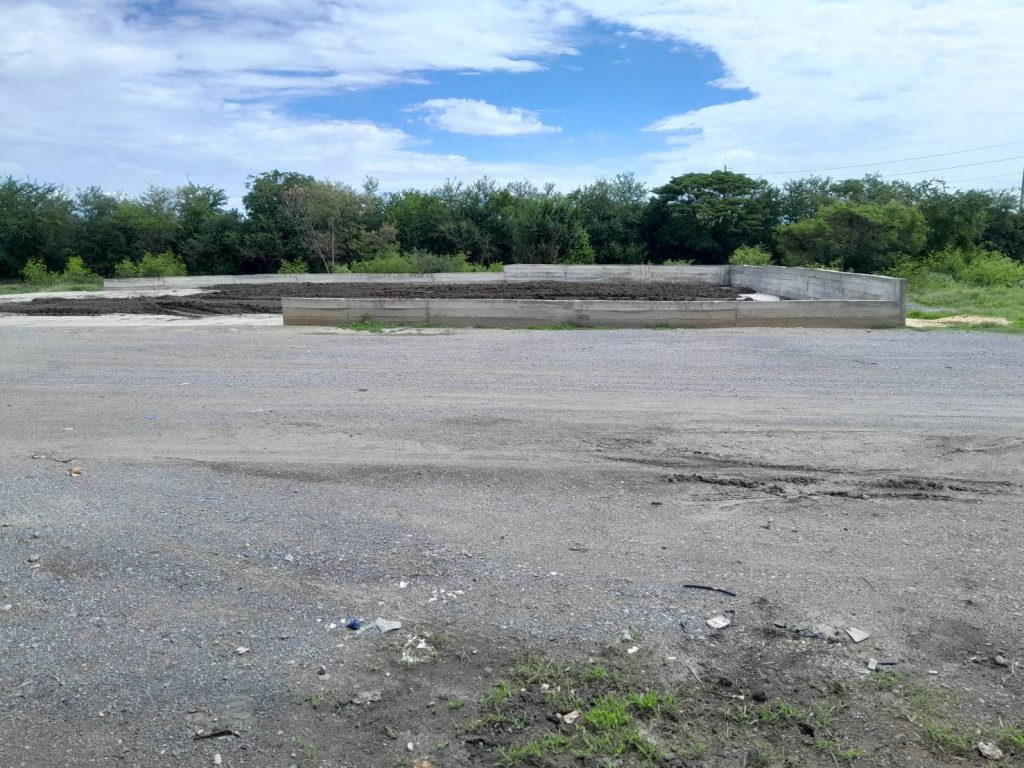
800 283
528 313
812 313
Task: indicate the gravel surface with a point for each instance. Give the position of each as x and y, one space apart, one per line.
501 491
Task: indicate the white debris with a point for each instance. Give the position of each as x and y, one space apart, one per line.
417 650
241 650
385 625
857 635
989 750
571 717
719 622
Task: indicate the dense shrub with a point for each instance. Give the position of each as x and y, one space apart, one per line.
394 262
974 267
293 267
754 255
75 271
35 272
164 264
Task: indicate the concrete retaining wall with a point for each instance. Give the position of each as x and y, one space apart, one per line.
528 313
800 283
699 273
205 281
818 297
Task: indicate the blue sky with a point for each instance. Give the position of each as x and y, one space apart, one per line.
597 101
125 93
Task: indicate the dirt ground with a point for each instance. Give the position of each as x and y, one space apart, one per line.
266 298
544 513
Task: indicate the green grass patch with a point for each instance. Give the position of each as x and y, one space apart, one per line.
60 285
500 694
837 752
1012 736
961 299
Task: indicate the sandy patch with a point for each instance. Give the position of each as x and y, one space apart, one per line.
948 322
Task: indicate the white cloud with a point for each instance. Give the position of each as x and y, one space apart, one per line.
103 91
840 83
479 118
97 91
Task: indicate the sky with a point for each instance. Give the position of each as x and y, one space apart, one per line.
127 93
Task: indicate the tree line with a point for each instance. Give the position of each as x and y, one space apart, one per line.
294 222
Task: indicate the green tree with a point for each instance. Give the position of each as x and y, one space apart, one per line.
327 218
864 237
612 212
707 216
269 235
209 235
36 222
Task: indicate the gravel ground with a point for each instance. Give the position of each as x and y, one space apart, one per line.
500 492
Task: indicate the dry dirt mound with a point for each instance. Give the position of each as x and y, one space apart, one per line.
266 298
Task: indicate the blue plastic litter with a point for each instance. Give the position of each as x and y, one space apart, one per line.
353 624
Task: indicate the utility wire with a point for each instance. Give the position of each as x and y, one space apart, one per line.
952 167
982 178
891 162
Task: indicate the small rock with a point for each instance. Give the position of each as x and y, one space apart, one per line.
322 671
366 697
422 764
990 751
779 624
403 584
571 717
857 635
410 746
33 558
1001 661
75 472
289 558
241 650
6 607
759 696
719 622
385 625
632 650
872 664
217 759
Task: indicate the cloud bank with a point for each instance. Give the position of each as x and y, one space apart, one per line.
116 93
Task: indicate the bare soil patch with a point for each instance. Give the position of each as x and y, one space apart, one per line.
266 298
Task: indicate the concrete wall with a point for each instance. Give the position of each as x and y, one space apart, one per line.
819 297
716 275
702 273
800 283
510 313
205 281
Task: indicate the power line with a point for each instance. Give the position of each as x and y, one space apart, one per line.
952 167
982 178
889 162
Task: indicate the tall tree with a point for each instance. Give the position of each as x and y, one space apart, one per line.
269 235
612 212
707 216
